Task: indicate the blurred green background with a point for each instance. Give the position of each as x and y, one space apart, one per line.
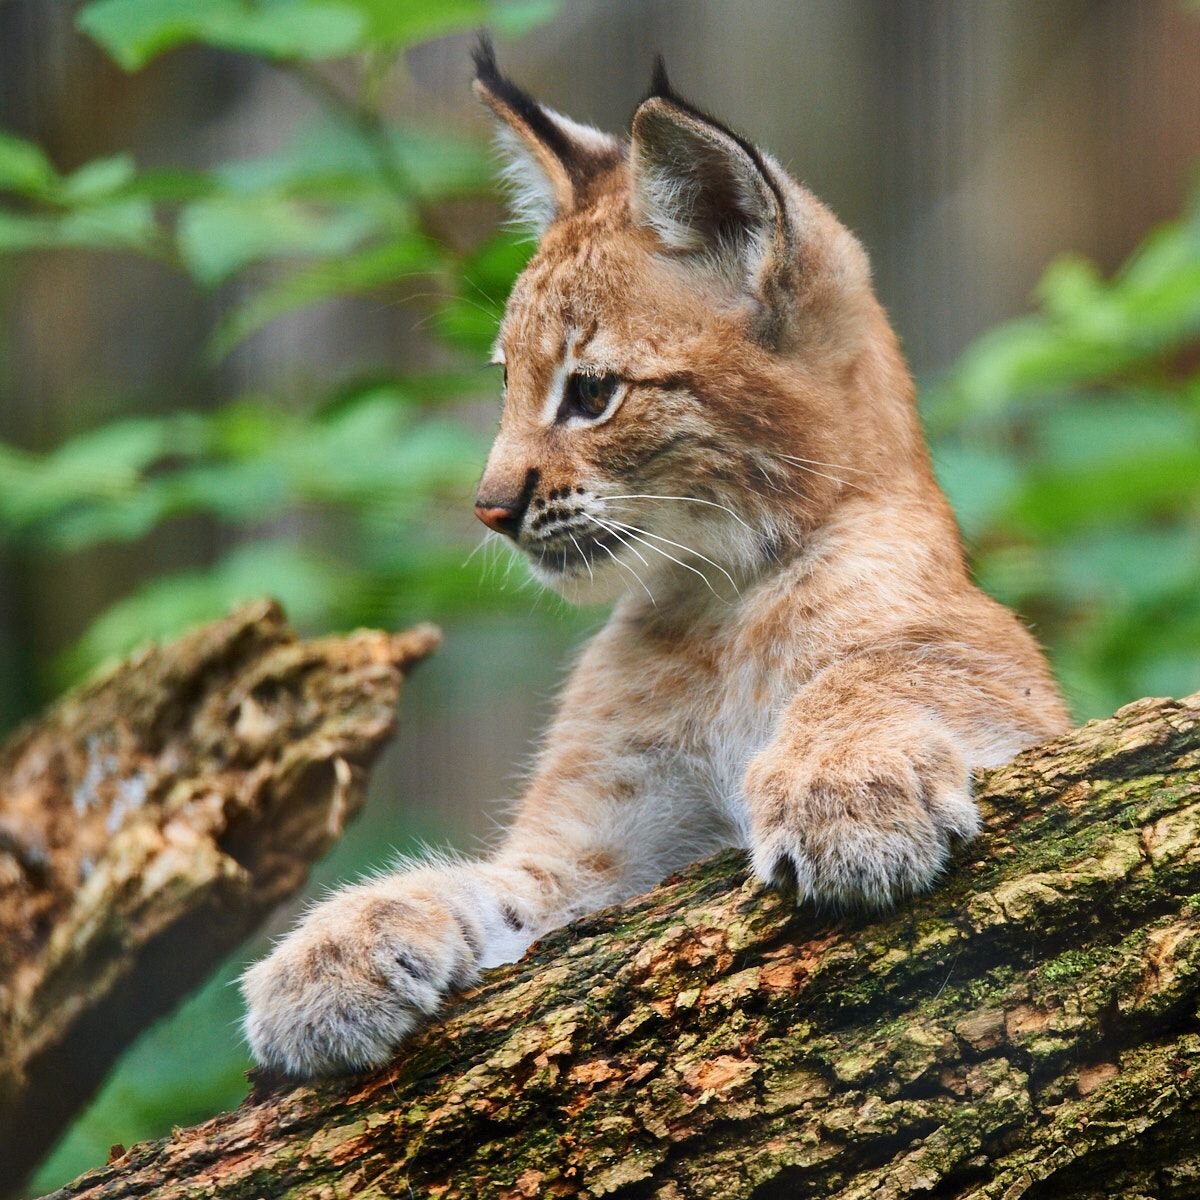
251 263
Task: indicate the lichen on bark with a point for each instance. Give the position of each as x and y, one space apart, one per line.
1029 1029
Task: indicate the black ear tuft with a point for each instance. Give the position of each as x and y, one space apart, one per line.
516 99
484 58
660 84
661 89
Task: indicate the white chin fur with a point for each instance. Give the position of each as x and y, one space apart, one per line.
607 582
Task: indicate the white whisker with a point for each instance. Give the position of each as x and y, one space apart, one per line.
816 462
688 500
634 531
587 562
483 541
608 550
802 464
679 562
623 541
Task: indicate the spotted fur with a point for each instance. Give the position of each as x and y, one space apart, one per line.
797 661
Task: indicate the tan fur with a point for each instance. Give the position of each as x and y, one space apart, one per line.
811 675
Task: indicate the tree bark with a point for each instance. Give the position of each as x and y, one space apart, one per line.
151 820
1030 1029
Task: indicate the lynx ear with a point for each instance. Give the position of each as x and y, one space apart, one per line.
706 191
549 160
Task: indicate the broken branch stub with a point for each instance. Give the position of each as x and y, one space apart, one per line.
151 819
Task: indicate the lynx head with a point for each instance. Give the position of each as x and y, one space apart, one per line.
696 371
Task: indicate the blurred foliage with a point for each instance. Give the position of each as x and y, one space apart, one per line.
360 478
1069 443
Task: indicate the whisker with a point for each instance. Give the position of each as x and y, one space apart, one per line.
634 530
495 308
483 541
694 570
816 462
688 500
801 463
608 550
623 541
783 486
587 562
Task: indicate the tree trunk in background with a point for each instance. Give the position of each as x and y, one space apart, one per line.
150 821
1030 1029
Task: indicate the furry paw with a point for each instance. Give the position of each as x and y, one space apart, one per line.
862 822
360 972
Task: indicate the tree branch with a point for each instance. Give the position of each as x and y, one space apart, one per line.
151 820
1030 1029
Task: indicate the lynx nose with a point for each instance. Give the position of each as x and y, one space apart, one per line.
500 518
503 508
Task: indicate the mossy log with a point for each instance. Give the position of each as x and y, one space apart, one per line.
1029 1029
151 820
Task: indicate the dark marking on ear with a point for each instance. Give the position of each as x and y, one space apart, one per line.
662 89
522 104
579 164
660 84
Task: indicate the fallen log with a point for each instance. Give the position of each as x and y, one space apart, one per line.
151 820
1030 1029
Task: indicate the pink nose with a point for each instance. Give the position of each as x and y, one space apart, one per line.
499 518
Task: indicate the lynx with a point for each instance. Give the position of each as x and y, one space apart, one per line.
708 420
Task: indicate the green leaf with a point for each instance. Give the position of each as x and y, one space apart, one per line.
391 24
333 159
1107 429
394 24
221 235
979 481
516 18
363 271
24 167
471 319
122 225
1058 501
135 31
97 180
1112 567
104 464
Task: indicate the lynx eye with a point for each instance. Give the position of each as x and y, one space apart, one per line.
588 395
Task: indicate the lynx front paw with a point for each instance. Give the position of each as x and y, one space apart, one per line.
862 822
345 988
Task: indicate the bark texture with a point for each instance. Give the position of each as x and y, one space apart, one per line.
151 820
1028 1030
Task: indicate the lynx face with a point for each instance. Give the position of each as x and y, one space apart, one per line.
673 354
620 466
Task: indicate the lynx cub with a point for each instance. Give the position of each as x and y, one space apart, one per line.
708 419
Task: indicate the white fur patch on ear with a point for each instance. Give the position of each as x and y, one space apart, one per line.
530 192
697 188
535 193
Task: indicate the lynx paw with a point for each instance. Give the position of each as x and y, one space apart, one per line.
861 823
345 988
